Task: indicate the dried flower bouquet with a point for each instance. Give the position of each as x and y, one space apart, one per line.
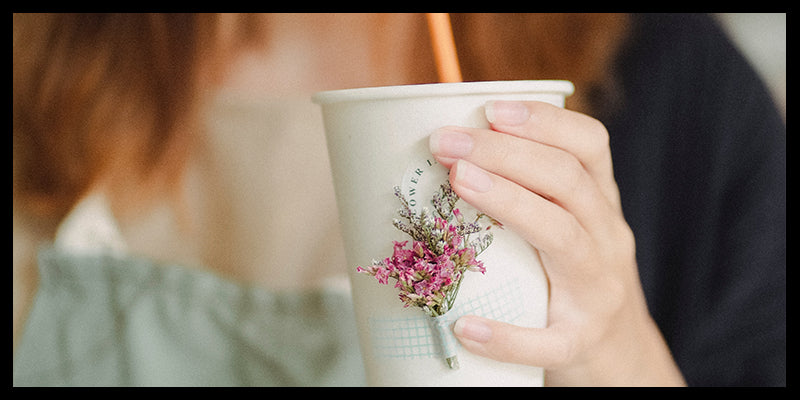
443 249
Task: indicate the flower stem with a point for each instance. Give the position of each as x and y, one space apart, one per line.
452 362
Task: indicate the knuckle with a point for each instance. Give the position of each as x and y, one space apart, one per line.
619 242
626 240
581 251
570 177
569 242
596 142
599 134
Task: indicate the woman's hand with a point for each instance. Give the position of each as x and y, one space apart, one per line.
546 174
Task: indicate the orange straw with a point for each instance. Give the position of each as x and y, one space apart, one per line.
444 47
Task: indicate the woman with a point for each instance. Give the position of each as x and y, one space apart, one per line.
698 180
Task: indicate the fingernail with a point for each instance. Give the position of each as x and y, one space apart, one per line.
472 329
448 143
472 177
506 112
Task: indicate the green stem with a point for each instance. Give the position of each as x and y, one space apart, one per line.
452 362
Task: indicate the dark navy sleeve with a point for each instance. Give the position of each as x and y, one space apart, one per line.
700 158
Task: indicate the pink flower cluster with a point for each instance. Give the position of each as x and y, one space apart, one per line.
429 273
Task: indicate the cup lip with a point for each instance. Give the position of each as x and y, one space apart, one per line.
443 89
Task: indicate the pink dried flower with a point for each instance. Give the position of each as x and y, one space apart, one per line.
428 274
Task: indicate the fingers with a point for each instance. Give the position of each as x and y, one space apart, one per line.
546 174
581 139
548 171
546 200
548 348
576 133
541 174
541 222
561 155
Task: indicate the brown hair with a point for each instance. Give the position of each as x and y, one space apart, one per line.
110 98
577 47
98 93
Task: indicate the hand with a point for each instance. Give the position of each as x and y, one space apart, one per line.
546 173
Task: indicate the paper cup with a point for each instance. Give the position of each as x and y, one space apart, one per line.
378 139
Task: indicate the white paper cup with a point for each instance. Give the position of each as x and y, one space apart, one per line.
378 139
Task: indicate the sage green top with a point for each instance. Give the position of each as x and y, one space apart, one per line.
110 320
103 316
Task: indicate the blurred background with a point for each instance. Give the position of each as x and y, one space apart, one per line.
762 38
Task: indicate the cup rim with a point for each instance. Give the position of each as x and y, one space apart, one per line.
443 89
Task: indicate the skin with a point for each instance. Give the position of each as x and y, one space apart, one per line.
546 173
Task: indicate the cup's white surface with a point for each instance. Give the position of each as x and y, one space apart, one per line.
378 139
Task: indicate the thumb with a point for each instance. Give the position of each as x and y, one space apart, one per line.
540 347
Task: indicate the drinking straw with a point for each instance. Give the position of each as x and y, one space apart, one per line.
444 47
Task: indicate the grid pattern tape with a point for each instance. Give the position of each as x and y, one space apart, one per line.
414 337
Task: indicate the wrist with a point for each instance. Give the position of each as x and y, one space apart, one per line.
631 352
638 356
